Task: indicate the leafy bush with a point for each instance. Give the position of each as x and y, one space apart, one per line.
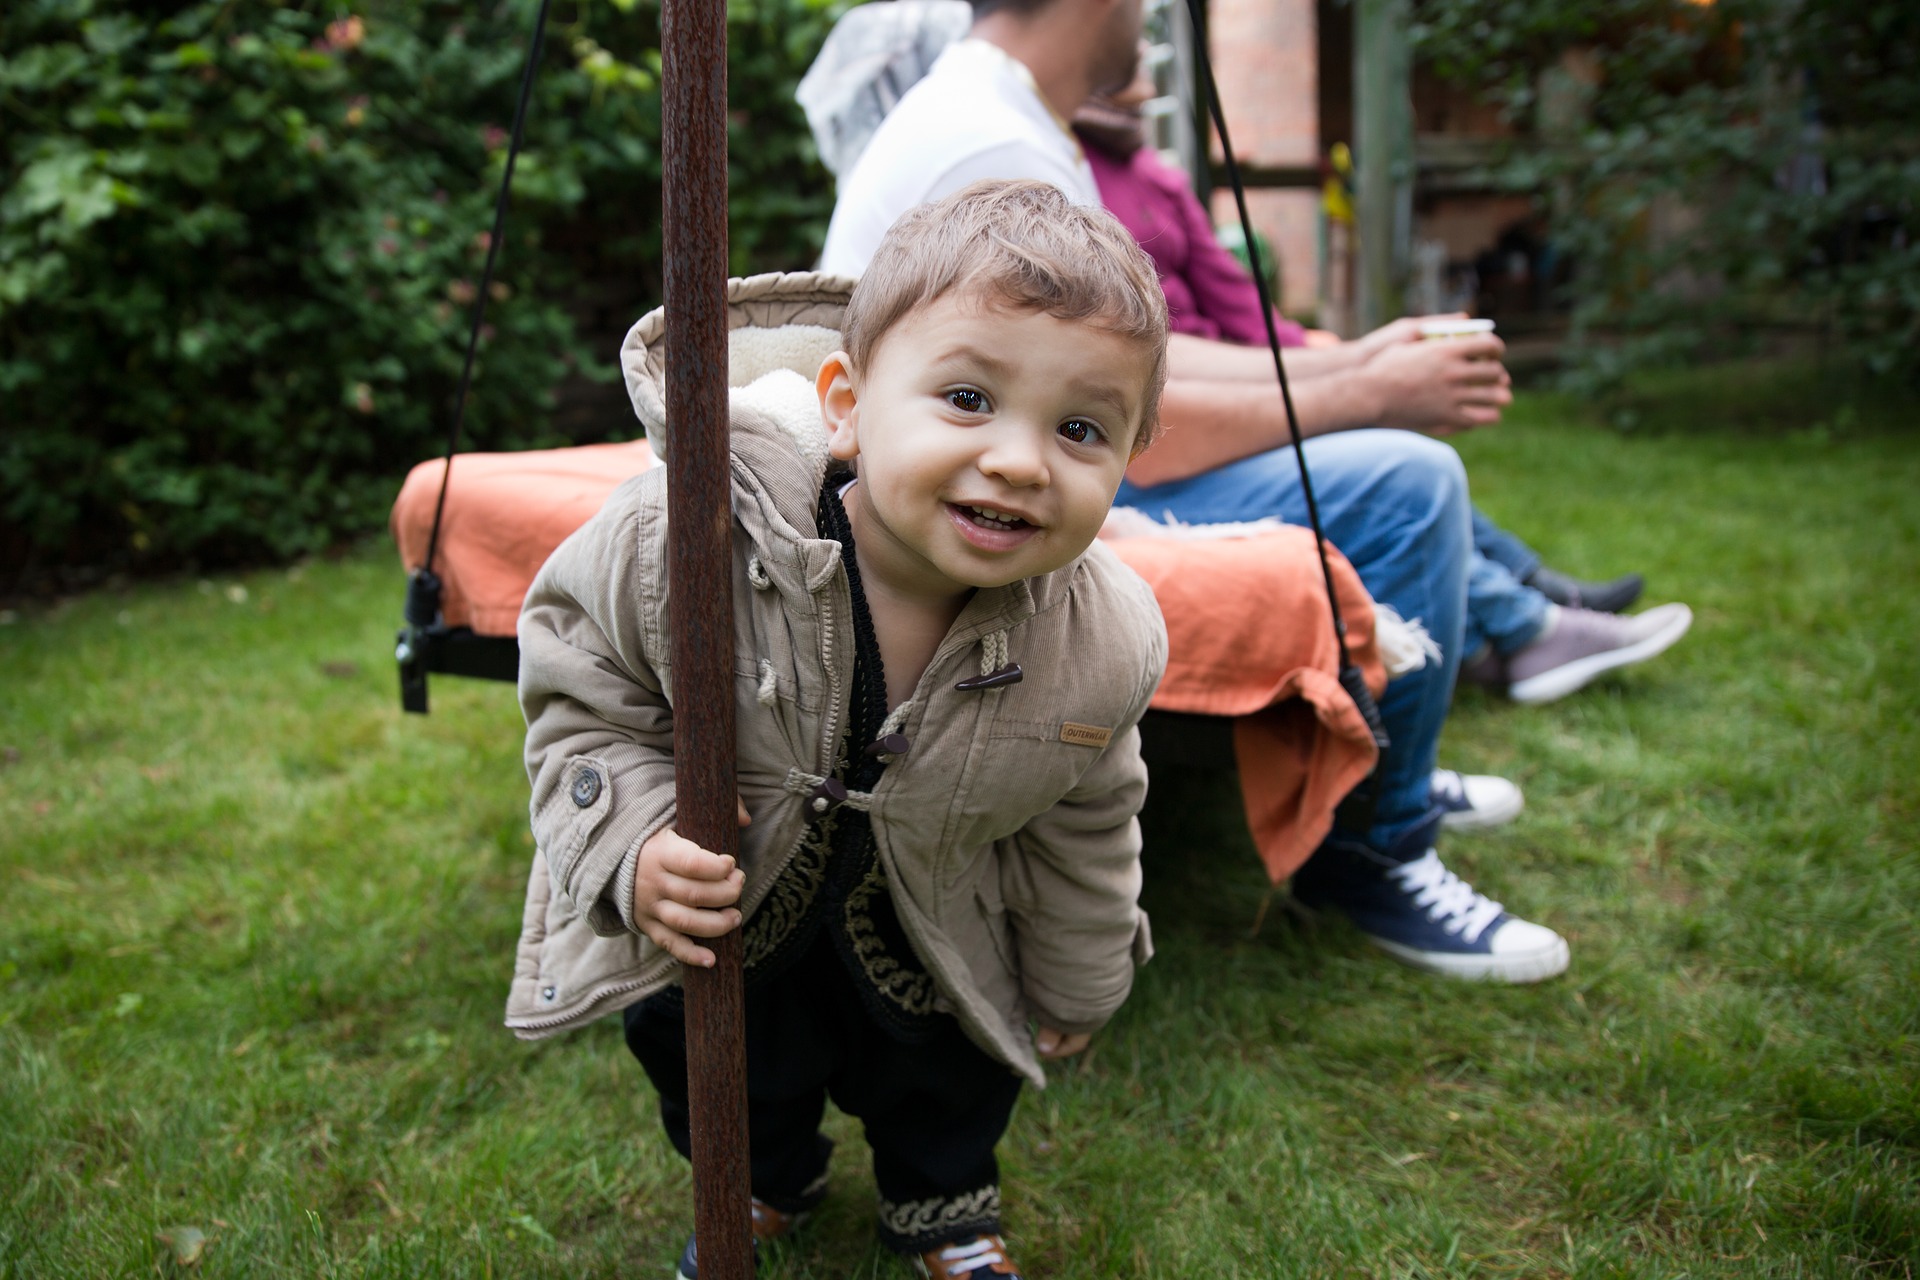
240 241
1736 166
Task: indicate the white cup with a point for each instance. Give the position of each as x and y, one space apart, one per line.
1448 329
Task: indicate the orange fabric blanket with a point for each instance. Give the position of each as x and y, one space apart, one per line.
1247 620
1249 635
506 512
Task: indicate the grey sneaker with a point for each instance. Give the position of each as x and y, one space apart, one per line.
1577 645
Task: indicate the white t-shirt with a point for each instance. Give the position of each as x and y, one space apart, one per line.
976 115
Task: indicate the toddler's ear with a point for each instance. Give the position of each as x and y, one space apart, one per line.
839 406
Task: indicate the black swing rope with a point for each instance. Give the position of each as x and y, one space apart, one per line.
486 275
423 585
1358 808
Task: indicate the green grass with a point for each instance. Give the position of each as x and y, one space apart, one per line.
256 926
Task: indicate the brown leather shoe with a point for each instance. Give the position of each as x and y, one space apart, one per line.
972 1259
770 1223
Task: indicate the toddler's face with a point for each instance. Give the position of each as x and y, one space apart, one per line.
990 442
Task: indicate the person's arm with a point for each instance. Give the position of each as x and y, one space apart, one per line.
1193 357
1210 424
1437 387
1071 883
599 743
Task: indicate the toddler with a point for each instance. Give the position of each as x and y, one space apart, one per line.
938 676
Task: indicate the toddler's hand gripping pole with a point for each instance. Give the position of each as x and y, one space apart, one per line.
1357 810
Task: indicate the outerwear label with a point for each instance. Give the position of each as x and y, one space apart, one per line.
1085 735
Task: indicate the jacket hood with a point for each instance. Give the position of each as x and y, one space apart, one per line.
779 327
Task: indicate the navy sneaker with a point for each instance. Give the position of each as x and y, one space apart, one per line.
1474 801
769 1223
1423 915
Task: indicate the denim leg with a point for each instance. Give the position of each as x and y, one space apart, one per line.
1501 610
1395 503
1502 547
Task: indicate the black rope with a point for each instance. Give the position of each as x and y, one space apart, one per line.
486 278
1351 678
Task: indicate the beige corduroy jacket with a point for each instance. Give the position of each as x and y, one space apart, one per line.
1007 829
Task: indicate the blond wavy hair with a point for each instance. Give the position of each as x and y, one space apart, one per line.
1022 245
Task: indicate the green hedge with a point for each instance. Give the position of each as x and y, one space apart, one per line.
239 240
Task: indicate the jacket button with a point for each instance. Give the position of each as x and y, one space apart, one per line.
894 744
1009 674
586 788
548 993
824 798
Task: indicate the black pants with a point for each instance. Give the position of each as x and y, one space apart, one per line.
933 1111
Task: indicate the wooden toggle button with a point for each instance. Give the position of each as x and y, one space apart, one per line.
1009 674
894 744
824 798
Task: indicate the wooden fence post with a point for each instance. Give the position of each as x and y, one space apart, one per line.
1383 155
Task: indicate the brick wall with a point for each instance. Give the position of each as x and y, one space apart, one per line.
1266 55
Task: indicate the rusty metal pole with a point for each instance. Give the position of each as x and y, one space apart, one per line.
693 85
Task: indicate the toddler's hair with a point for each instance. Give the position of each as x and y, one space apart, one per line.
1023 245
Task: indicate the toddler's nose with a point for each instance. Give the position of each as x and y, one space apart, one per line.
1015 457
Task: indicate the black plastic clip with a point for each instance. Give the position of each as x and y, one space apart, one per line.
410 646
1356 811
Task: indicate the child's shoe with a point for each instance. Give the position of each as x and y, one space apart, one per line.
769 1223
972 1259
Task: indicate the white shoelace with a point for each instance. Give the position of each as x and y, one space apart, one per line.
1449 900
981 1251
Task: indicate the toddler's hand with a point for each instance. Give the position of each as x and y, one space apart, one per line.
682 892
1051 1044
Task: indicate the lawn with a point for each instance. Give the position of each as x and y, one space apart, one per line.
256 926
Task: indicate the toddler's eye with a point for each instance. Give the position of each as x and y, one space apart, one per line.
1080 431
967 400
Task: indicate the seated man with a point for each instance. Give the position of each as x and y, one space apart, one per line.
1530 632
1395 502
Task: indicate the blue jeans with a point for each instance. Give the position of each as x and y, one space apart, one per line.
1396 505
1502 610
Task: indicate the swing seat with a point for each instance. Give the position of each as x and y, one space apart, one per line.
1251 680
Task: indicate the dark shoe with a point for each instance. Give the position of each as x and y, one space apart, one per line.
1601 597
769 1223
1474 801
972 1259
1423 915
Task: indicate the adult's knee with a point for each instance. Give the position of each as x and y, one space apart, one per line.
1424 468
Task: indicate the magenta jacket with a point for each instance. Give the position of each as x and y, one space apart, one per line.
1208 295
